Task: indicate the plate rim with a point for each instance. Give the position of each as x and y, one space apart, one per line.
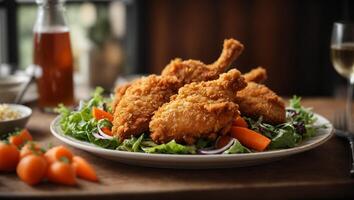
83 145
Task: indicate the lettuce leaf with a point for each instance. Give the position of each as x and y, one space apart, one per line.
171 148
104 143
80 123
133 144
237 147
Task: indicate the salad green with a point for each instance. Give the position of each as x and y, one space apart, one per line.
81 124
237 147
299 126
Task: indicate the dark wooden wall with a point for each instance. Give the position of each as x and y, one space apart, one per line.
289 37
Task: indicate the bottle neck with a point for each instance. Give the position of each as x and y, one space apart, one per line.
50 17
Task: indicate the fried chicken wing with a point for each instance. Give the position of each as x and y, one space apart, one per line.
136 107
136 103
199 110
189 71
257 75
258 100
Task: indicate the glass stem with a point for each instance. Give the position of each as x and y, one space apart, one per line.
349 103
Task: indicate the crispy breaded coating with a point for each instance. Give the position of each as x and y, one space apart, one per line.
257 75
141 99
199 110
189 71
136 104
257 100
118 94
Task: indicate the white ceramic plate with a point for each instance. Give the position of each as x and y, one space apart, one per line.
196 161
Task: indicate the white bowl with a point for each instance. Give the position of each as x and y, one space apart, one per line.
19 123
10 86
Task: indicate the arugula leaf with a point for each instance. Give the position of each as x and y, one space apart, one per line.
127 144
136 145
237 147
104 123
298 113
286 138
299 126
147 142
259 126
172 148
80 124
310 131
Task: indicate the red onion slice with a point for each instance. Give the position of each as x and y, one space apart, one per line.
102 135
98 136
217 151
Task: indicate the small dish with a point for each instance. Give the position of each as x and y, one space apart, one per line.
10 86
7 126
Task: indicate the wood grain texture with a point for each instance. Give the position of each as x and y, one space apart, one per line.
321 172
289 38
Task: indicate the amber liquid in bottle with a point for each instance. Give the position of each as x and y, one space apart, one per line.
53 56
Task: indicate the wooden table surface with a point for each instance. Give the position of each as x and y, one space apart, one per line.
319 173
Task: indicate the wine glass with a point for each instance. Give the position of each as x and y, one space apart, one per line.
342 53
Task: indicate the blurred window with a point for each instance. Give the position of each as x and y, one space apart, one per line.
98 30
81 16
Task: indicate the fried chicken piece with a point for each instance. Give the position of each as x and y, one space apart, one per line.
199 110
135 104
189 71
118 94
258 100
257 75
135 109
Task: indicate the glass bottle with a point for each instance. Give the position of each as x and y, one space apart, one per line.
53 56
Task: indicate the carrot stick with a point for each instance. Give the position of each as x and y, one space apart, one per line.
84 169
101 114
250 138
239 121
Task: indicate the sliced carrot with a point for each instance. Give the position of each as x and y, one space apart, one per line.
107 131
222 141
21 138
101 114
57 153
84 169
250 138
239 121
